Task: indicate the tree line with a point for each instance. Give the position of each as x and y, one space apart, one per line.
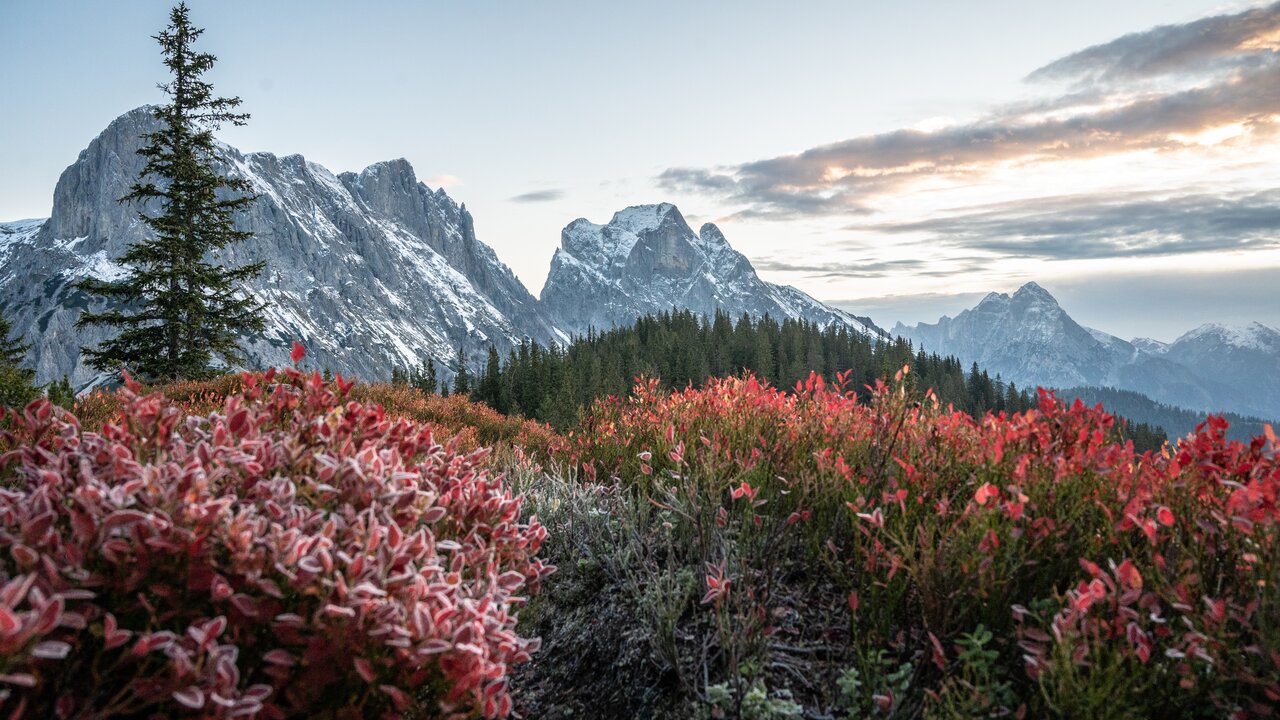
680 348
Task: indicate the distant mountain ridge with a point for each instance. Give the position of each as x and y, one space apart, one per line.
1028 338
371 270
1176 422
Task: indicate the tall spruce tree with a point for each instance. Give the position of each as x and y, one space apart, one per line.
424 378
176 310
16 381
461 377
13 350
489 385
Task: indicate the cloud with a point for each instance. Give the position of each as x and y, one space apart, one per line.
538 196
1091 226
1209 43
443 181
849 176
866 268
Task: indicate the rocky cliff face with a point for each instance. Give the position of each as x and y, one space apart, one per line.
369 270
1029 339
647 259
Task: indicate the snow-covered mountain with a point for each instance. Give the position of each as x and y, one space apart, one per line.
1026 337
647 259
369 270
1246 357
1029 339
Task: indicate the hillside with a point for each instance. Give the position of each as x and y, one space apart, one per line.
1175 421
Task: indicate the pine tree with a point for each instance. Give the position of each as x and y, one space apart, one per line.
176 311
61 393
461 378
424 378
13 351
489 388
16 386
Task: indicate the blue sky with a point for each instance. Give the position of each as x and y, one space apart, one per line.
861 151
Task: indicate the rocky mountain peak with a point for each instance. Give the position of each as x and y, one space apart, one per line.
1149 345
85 199
994 298
1253 336
1030 339
644 218
647 259
711 236
1033 290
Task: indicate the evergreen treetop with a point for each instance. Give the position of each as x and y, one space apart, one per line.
16 381
461 377
13 351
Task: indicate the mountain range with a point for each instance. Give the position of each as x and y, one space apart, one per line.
1028 338
371 270
375 270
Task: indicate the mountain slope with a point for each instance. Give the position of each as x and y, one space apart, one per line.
1028 338
1176 422
369 270
1246 357
647 259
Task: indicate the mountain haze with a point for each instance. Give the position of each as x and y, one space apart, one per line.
1028 338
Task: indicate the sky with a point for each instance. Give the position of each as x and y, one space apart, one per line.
898 159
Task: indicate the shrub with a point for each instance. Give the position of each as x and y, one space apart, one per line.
897 557
16 388
482 425
291 554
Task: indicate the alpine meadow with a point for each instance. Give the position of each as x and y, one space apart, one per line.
279 442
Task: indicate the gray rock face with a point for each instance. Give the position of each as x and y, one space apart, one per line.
1025 337
369 271
1029 339
648 260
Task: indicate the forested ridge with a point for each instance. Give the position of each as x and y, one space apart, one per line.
681 348
1175 421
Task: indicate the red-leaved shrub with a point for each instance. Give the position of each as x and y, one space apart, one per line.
290 555
455 415
1102 582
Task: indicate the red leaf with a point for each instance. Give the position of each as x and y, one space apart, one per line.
365 669
1128 575
192 697
298 353
939 656
985 493
9 623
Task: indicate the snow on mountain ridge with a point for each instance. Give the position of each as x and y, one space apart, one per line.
647 259
1149 345
1029 339
1254 336
639 218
